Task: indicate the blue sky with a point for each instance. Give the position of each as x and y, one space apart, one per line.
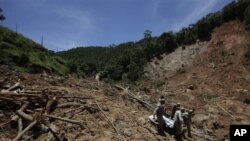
65 24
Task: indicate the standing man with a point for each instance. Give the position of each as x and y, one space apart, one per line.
97 78
187 118
158 113
178 122
178 105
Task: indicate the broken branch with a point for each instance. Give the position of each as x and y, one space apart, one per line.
64 119
32 124
147 105
233 117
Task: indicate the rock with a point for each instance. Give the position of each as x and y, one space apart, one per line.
141 121
243 91
217 125
105 108
247 100
127 132
188 91
191 87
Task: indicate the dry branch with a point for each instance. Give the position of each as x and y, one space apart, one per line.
78 97
68 104
147 105
59 118
233 117
12 94
64 119
78 108
32 124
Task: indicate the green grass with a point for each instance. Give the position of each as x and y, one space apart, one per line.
25 55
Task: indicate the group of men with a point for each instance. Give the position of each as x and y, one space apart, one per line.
182 119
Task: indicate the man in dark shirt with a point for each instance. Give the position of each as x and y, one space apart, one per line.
158 113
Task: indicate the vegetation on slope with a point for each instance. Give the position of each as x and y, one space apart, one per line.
125 61
122 62
25 55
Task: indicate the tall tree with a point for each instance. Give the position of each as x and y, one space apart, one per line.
2 17
204 29
147 34
229 12
247 18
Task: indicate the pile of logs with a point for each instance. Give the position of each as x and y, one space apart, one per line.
35 105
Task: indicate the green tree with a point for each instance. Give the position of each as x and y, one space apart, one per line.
167 42
241 7
204 29
247 18
2 17
229 12
134 71
147 34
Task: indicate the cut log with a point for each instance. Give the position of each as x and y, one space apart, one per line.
69 104
13 121
24 116
51 105
15 86
20 125
15 118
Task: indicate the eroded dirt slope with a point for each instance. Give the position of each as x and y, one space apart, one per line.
216 82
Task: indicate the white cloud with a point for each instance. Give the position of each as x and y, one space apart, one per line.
75 17
200 9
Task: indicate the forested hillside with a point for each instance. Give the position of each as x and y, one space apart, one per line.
23 54
123 62
126 61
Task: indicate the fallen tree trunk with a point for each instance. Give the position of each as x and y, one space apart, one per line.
147 105
15 86
25 116
16 118
64 119
59 118
233 117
